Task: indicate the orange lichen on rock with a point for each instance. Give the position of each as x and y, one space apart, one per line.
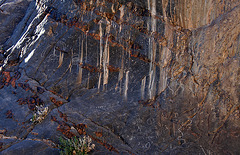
91 68
63 116
99 134
55 102
8 77
81 128
31 101
65 129
103 143
9 114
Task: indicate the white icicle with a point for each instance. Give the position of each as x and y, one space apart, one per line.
149 5
101 44
91 2
153 80
113 9
122 8
149 29
79 78
122 68
152 53
105 64
97 58
126 84
162 80
61 55
99 81
100 54
150 84
81 58
97 3
153 84
148 21
153 13
106 57
143 85
164 53
165 57
150 79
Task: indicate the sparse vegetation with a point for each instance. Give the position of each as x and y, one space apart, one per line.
75 145
40 114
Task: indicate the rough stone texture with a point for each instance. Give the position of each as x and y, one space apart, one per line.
29 147
11 13
168 72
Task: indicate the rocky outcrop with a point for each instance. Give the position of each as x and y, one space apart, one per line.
137 77
11 13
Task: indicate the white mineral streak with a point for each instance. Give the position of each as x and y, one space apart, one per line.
154 13
79 78
113 9
91 2
99 81
97 3
126 85
101 43
120 77
29 56
149 8
61 55
105 64
97 57
106 58
143 85
40 31
100 54
152 54
164 53
122 8
149 29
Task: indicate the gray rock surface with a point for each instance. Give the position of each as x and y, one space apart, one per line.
139 75
29 147
11 13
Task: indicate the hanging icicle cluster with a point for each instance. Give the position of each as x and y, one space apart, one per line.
117 28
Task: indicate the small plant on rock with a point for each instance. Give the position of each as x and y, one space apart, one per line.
40 114
75 145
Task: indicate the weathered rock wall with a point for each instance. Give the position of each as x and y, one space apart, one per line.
11 13
156 76
194 14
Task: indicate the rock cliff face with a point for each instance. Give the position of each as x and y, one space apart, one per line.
138 77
